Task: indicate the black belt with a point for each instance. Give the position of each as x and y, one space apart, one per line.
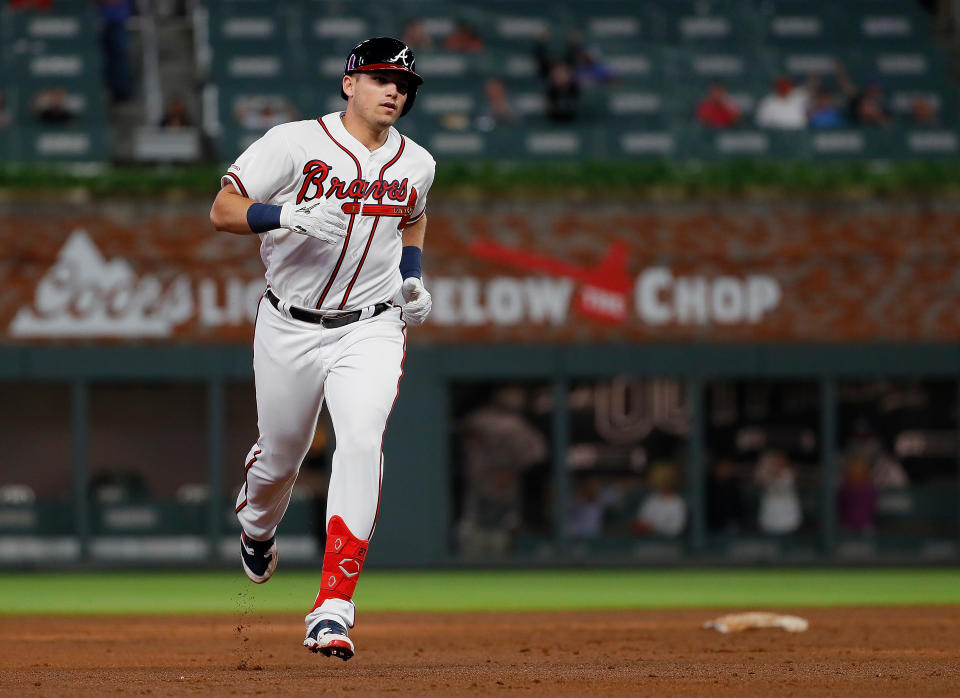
328 321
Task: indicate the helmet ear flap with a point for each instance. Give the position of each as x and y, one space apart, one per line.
411 95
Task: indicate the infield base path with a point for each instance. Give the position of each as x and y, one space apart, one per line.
848 651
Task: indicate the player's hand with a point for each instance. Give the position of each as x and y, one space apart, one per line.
320 219
417 301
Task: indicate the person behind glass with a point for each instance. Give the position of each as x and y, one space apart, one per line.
663 512
499 444
717 110
886 472
856 497
780 512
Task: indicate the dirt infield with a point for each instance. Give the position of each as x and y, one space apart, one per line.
853 652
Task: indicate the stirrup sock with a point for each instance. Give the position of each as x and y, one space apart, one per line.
342 562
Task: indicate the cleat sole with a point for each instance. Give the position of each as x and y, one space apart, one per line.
336 648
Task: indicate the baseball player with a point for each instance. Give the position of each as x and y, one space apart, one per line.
339 205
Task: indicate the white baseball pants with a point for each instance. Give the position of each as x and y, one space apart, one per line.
297 365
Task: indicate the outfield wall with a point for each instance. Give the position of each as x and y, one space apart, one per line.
613 338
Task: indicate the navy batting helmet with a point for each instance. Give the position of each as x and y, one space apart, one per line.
384 53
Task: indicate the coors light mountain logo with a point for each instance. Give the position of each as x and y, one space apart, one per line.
85 295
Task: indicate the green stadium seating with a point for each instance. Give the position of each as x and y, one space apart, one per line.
664 53
61 144
49 50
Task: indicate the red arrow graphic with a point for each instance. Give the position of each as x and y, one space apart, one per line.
605 285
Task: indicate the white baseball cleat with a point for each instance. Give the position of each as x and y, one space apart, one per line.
330 639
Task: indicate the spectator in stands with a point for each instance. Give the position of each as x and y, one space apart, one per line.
870 107
542 57
587 62
52 107
590 501
176 115
724 498
824 112
785 108
867 106
885 470
463 38
415 35
496 109
664 512
563 94
500 444
856 497
6 116
923 112
116 46
780 511
717 110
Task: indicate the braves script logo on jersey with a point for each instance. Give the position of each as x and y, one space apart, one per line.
315 175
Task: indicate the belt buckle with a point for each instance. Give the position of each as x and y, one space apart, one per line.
335 320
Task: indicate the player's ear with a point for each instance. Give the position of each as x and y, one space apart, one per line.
348 85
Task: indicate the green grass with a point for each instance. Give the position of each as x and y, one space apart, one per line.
293 591
578 179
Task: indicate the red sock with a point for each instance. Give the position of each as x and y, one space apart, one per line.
342 562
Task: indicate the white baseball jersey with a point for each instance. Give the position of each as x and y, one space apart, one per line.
383 191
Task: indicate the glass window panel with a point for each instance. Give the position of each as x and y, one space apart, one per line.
500 441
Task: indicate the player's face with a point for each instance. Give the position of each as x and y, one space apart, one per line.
378 96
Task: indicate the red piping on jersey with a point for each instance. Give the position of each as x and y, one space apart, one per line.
414 220
384 434
236 180
411 205
346 240
246 469
376 221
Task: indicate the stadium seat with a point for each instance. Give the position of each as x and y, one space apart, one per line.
63 144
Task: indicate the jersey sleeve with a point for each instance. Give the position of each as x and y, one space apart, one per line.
263 169
420 207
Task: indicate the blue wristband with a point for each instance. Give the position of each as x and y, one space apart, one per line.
263 217
410 261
